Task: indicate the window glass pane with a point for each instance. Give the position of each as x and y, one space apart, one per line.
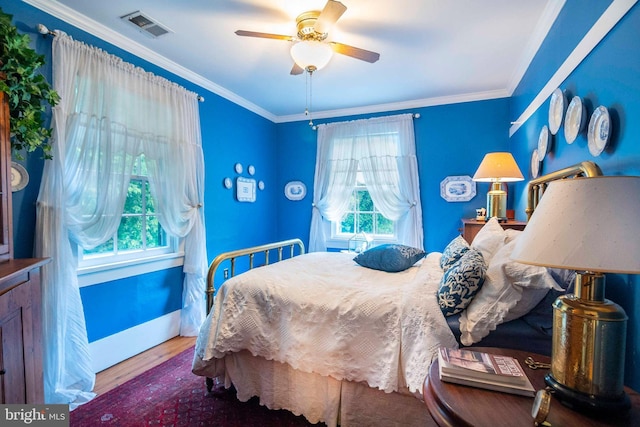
133 204
130 233
150 201
347 223
384 225
364 201
156 237
105 248
365 223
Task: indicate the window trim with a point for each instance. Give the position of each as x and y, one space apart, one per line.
121 269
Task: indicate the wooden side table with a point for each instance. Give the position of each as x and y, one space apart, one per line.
458 405
471 227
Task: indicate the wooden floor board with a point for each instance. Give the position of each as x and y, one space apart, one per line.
118 374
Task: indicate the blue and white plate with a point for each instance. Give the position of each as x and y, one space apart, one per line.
599 131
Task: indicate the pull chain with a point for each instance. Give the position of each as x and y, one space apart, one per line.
309 93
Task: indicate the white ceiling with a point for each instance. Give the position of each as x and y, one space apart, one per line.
431 51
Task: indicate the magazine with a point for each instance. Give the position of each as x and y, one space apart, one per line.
483 370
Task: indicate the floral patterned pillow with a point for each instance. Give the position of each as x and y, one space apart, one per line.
453 252
461 282
390 257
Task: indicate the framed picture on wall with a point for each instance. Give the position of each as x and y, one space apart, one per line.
458 188
245 189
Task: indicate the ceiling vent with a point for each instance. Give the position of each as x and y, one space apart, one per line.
146 24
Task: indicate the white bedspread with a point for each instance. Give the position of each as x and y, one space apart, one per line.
322 313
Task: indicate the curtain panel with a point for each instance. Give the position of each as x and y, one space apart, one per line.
111 112
383 148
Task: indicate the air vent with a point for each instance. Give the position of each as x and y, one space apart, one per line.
145 24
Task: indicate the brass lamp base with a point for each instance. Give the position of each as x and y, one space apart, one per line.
586 402
497 202
588 348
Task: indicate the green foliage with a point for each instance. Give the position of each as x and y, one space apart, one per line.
26 90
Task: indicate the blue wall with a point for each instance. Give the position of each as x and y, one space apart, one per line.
230 134
451 140
609 76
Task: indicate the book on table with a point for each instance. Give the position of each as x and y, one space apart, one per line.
484 370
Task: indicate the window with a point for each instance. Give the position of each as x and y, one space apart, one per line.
362 216
139 238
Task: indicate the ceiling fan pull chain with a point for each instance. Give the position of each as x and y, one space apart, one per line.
310 71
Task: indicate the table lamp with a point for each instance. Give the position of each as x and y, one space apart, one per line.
589 225
497 168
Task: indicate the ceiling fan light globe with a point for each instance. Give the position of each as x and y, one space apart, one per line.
311 53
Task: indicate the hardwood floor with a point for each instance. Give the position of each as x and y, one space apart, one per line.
114 376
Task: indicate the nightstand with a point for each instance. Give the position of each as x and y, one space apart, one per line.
470 227
458 405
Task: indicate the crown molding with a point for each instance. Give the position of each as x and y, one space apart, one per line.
96 29
607 21
397 106
548 17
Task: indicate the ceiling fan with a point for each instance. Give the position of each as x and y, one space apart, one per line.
310 51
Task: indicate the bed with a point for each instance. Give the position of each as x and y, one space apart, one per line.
348 342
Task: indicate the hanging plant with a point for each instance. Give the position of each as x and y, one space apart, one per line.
27 91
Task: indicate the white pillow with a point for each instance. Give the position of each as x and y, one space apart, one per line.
510 290
489 239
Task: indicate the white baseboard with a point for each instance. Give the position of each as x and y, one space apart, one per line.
115 348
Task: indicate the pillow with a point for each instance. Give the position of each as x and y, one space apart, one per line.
489 239
461 282
453 252
540 317
390 257
511 289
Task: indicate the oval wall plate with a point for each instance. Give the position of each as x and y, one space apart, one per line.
295 190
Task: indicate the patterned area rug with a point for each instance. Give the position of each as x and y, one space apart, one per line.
170 395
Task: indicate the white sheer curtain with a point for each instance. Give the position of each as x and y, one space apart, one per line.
111 112
384 150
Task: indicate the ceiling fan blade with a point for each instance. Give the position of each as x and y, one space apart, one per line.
355 52
332 11
296 70
263 35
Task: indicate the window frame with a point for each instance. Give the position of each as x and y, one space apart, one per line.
100 268
341 240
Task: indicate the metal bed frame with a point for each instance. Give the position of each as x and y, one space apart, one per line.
537 186
250 252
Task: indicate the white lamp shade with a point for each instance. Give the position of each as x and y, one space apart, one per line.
311 53
498 167
585 224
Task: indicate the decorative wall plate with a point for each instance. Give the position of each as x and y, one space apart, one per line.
535 164
599 131
227 183
19 177
543 142
238 167
458 188
260 185
574 120
295 190
557 106
245 189
251 170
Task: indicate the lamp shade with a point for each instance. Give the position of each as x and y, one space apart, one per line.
311 53
498 167
585 224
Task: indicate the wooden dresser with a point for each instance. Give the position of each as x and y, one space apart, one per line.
471 227
21 378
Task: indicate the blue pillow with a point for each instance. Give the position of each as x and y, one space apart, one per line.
453 252
390 257
461 282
